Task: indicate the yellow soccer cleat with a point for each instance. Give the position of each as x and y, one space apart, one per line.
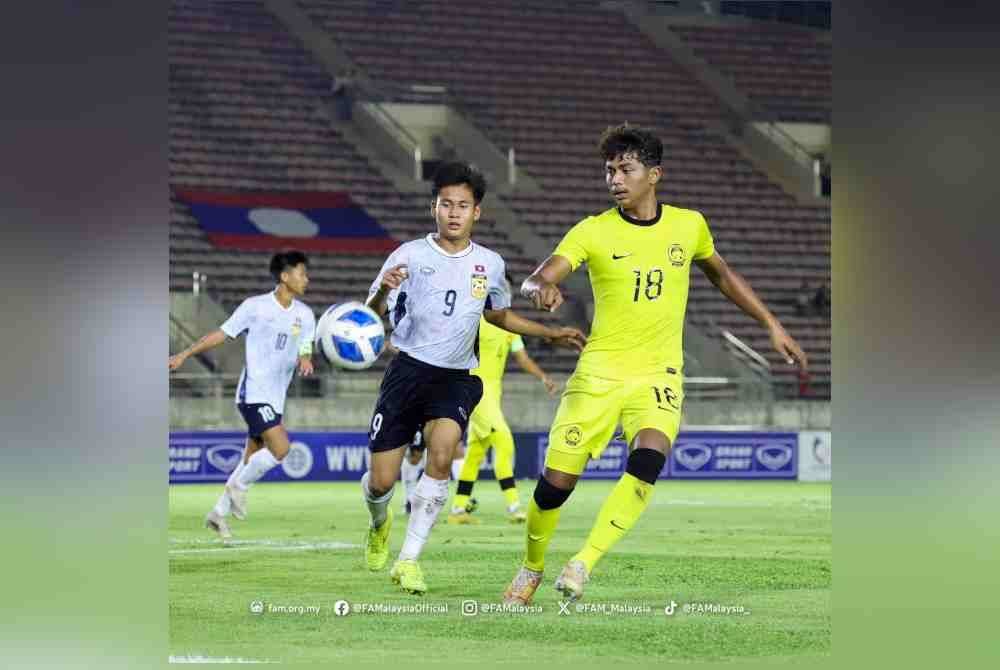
462 518
377 544
409 576
522 587
571 580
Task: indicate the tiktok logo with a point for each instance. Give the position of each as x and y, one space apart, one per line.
669 609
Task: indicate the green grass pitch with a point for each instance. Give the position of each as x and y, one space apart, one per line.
762 546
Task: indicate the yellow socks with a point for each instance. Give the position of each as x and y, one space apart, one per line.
541 525
623 507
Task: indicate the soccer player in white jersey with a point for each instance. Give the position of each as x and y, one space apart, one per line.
434 289
280 331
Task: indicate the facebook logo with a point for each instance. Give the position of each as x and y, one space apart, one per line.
341 608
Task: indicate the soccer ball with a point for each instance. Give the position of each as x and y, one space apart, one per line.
350 335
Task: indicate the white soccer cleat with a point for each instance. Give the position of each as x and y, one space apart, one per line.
522 587
218 523
571 580
237 501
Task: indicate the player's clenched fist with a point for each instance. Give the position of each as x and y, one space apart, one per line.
542 295
393 278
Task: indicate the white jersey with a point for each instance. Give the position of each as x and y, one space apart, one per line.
435 312
276 337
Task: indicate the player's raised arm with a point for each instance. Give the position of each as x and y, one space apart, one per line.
569 338
209 341
733 286
541 287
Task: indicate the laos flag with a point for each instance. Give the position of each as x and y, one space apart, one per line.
275 221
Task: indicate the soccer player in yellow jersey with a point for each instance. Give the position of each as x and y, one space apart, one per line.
487 425
638 255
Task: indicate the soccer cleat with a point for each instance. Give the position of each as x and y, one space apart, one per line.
218 523
571 580
377 544
461 519
472 505
237 501
517 516
409 576
522 587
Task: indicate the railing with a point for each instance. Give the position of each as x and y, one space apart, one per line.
398 133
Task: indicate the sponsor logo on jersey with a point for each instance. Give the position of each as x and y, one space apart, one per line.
676 255
297 326
479 285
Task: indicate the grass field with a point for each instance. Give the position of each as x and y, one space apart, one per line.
762 546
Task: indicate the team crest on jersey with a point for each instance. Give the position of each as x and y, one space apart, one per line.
297 327
676 255
478 285
573 436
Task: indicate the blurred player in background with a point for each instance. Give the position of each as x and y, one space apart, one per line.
435 290
280 331
488 427
638 255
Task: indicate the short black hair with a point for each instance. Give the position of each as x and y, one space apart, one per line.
452 173
620 140
284 260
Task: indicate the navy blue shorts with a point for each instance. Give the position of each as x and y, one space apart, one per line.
259 417
413 393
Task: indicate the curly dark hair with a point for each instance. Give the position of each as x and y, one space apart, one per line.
452 173
285 260
620 140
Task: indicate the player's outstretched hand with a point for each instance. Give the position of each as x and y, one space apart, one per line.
394 277
570 338
543 296
305 367
176 361
789 349
551 386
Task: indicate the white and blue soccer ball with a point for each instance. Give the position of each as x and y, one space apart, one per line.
350 335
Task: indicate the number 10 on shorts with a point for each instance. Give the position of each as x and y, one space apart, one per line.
266 413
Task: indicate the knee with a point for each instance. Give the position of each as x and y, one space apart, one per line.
547 496
645 464
380 483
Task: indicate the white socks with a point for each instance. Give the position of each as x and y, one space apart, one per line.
257 467
410 474
456 467
222 504
428 500
376 506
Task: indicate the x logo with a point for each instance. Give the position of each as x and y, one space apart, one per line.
564 608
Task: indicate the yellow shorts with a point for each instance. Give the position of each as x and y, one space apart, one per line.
592 407
487 416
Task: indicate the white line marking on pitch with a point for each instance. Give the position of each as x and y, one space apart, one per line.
267 545
208 659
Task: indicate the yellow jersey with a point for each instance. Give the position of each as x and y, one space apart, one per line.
640 272
494 346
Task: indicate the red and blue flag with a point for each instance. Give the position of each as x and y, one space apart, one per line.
309 221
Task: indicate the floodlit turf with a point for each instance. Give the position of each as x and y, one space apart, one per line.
762 546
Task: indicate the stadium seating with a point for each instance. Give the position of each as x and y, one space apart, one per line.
784 69
246 112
